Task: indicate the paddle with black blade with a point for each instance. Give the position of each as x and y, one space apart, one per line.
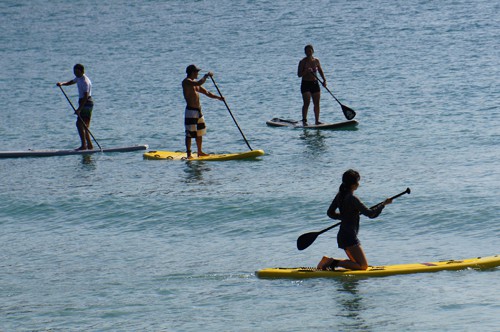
305 240
227 106
79 117
349 113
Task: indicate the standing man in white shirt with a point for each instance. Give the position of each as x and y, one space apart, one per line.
85 105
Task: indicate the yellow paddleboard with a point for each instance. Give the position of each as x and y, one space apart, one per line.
170 155
378 271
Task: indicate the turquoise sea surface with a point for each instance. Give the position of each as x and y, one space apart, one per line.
112 242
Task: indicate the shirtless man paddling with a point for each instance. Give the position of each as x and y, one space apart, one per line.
194 121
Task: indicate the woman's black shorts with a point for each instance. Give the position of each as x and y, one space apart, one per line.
309 86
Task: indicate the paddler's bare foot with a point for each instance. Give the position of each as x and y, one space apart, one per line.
327 263
324 262
202 154
90 147
319 123
81 148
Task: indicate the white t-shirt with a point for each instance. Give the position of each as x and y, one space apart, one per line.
84 85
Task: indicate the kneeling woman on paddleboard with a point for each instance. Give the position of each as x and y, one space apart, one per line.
350 207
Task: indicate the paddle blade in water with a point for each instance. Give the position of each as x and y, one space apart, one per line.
348 112
305 240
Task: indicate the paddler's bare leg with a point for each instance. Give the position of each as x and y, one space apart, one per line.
316 97
87 135
81 133
199 144
188 147
306 98
357 259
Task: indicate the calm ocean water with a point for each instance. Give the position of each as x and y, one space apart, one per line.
116 243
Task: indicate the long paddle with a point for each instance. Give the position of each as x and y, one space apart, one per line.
348 112
80 118
305 240
225 103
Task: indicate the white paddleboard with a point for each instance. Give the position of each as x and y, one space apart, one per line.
51 153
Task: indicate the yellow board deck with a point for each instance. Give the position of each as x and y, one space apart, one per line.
378 271
171 155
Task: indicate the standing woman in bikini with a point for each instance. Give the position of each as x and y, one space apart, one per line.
310 85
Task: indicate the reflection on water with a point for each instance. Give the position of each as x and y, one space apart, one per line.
314 141
88 162
352 304
194 171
